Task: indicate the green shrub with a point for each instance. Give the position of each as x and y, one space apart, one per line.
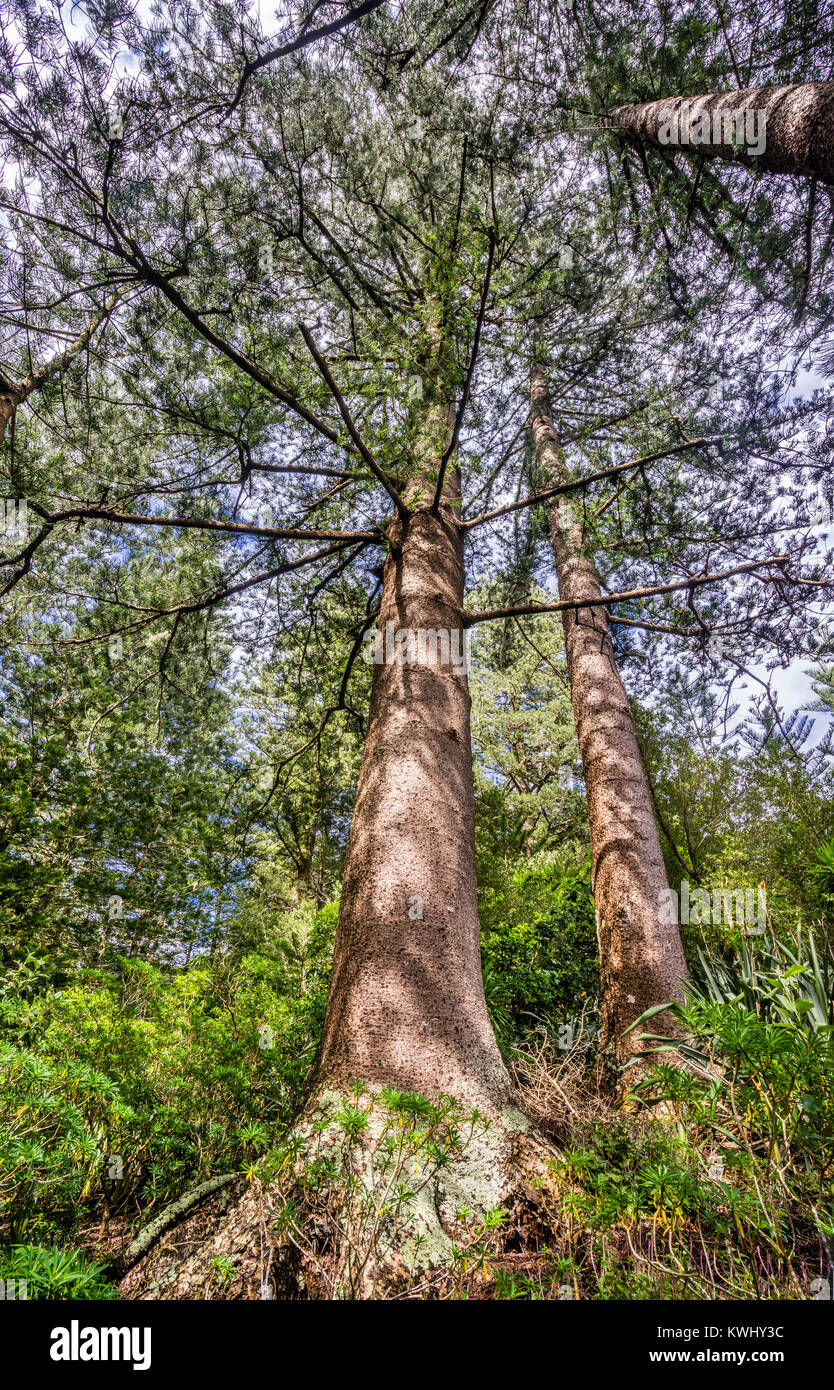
146 1082
540 951
49 1272
757 1091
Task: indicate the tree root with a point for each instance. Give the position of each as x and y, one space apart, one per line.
169 1216
334 1224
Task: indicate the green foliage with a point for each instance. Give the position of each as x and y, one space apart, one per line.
539 949
757 1090
50 1272
111 828
752 811
824 868
777 981
624 1174
149 1081
674 1207
525 755
535 904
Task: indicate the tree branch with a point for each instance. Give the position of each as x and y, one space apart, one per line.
589 478
302 41
627 595
364 451
200 524
14 393
467 386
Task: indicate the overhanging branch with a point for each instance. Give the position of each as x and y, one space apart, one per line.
200 524
302 41
629 595
601 474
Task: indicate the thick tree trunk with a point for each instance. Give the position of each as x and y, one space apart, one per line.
641 956
406 1005
794 127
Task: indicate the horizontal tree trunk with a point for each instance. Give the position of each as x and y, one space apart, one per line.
641 955
795 127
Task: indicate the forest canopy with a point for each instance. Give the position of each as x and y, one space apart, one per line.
417 661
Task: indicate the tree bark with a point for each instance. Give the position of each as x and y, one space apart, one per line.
798 126
8 405
641 955
406 1006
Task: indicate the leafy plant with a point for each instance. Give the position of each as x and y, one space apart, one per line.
757 1090
50 1272
824 867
